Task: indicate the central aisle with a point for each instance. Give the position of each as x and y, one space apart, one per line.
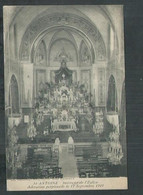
68 162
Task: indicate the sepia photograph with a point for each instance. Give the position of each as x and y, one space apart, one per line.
65 107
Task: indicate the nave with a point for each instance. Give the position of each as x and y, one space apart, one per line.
65 92
66 160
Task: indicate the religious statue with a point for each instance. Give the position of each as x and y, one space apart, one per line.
63 75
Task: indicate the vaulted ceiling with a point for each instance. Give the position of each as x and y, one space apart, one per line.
99 18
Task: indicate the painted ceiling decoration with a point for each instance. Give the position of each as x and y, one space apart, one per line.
85 58
66 20
63 55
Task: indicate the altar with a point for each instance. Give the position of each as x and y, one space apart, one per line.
64 105
59 125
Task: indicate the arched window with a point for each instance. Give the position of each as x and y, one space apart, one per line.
14 95
112 96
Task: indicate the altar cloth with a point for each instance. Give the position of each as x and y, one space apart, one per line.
64 125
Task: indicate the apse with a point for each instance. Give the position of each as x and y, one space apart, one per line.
59 46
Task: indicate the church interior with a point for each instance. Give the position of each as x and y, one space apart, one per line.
64 91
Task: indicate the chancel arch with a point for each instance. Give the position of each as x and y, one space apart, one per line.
70 33
66 20
112 102
14 95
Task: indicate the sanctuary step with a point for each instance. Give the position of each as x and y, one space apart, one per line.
78 137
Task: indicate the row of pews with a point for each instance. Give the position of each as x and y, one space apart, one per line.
90 162
40 163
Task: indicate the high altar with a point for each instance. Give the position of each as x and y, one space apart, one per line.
64 102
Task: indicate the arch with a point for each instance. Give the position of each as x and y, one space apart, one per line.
14 95
112 105
63 33
39 25
69 31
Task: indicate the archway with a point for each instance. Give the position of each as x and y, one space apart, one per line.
77 23
14 95
112 105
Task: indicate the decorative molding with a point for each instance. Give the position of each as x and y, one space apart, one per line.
69 20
